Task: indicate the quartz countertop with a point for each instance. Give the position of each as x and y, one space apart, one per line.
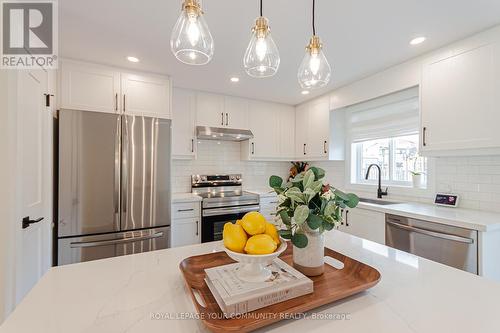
185 197
146 293
263 193
459 217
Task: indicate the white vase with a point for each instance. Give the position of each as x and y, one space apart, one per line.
417 181
310 259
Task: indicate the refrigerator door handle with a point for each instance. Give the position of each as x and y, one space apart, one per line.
115 241
124 168
117 171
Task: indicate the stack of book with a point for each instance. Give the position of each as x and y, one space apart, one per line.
236 297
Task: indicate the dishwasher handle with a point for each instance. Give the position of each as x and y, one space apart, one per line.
431 233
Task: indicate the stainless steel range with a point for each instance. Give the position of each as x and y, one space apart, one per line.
223 201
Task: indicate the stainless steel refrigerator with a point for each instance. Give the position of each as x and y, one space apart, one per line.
114 185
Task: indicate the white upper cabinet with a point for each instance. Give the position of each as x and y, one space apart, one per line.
221 111
145 95
183 124
263 122
236 112
89 87
210 110
312 130
460 102
286 130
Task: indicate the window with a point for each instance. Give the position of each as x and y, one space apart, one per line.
397 157
384 131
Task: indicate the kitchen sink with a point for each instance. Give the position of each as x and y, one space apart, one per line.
377 201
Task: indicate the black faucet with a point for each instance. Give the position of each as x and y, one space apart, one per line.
380 193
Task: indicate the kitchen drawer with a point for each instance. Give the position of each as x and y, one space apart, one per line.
185 210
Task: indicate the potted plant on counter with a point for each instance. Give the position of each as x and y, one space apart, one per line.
307 208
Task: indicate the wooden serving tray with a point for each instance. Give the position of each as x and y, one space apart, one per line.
332 286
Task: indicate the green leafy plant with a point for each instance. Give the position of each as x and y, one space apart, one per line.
306 201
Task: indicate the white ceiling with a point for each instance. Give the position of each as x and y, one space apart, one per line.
360 37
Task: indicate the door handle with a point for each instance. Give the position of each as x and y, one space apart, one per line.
424 143
253 148
185 210
26 221
116 102
222 117
324 147
192 145
431 233
47 99
227 119
346 218
197 232
304 149
123 102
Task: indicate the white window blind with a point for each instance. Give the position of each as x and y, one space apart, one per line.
384 117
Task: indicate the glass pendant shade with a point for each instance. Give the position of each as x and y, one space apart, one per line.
314 71
191 41
261 58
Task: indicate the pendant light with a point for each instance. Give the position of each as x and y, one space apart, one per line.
191 41
314 71
262 58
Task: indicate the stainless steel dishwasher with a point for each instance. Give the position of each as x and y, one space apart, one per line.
452 246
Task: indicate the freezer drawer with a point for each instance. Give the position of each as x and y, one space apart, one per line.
452 246
87 248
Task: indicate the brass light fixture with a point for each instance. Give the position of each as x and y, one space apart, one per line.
191 41
261 58
314 71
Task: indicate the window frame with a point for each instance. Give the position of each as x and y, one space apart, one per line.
359 179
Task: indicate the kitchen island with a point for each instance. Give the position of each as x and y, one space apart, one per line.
146 293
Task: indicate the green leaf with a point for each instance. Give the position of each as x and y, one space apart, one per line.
301 213
353 200
309 194
330 208
285 218
327 225
295 194
341 195
316 186
308 178
286 234
298 178
314 221
318 172
275 181
299 240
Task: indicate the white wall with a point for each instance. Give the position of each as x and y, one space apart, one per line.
222 157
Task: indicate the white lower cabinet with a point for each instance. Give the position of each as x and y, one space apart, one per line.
365 224
186 224
268 205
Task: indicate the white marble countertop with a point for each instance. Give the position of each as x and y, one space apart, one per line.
263 192
126 294
460 217
185 197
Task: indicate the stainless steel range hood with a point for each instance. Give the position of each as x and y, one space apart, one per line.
222 134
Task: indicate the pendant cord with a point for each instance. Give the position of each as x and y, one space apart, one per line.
261 8
313 18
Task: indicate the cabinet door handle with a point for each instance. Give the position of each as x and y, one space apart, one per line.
253 148
124 98
346 218
227 119
192 145
222 117
424 143
185 210
324 147
197 232
304 149
116 102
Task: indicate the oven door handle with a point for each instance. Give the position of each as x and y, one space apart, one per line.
230 210
432 233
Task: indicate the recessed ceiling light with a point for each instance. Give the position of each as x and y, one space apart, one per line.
132 59
305 92
235 79
417 40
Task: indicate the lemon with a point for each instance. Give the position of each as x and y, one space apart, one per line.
273 232
234 237
260 244
254 223
238 222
